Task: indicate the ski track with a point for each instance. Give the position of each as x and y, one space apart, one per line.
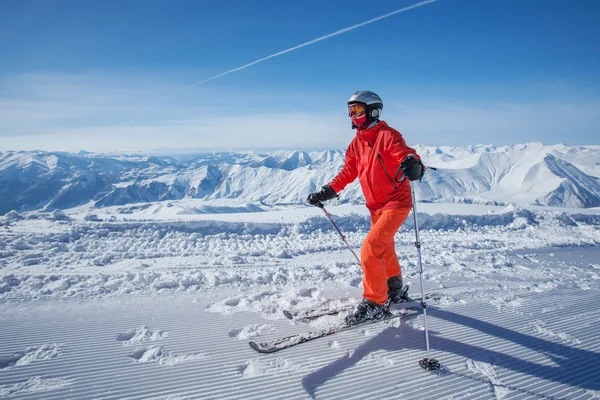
164 310
521 360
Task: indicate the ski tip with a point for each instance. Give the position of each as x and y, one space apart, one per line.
255 346
288 314
261 349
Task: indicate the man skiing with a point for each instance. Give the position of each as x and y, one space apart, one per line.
374 155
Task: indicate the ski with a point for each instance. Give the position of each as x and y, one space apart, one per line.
310 314
307 315
304 315
290 341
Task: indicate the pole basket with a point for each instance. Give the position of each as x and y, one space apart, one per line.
430 364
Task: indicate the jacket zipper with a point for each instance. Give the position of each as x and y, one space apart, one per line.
385 171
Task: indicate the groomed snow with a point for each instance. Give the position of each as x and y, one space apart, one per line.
155 304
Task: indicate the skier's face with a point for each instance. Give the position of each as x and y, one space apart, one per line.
357 113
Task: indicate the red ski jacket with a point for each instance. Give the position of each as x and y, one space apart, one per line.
374 156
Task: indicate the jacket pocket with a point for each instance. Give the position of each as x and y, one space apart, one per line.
385 171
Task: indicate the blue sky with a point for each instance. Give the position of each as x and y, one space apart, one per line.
111 75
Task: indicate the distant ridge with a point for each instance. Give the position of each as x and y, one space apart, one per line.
531 174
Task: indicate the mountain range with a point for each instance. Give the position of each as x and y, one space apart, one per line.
528 174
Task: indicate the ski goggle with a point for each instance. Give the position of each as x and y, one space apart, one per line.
356 109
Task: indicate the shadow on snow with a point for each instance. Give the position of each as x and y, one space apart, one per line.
574 367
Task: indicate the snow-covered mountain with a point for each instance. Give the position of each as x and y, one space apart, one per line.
531 173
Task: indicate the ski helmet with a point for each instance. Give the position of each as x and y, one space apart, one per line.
373 104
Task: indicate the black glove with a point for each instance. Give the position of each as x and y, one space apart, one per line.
326 193
412 168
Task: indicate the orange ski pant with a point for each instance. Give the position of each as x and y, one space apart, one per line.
378 254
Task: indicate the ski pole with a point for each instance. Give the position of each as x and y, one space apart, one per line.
428 362
322 207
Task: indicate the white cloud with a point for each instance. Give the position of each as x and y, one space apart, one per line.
254 131
107 113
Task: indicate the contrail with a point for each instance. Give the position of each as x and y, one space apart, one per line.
422 3
130 122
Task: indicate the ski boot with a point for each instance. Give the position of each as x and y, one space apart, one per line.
399 296
366 310
397 293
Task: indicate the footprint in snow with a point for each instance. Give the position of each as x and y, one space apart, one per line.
541 328
488 372
381 360
157 354
251 331
264 366
30 354
134 337
33 384
506 303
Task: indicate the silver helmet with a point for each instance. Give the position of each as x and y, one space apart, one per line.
371 100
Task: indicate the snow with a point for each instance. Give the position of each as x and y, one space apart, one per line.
527 174
160 303
33 384
157 354
29 355
134 337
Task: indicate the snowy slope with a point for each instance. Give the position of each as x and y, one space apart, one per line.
162 306
524 174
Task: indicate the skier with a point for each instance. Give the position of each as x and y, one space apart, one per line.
374 155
